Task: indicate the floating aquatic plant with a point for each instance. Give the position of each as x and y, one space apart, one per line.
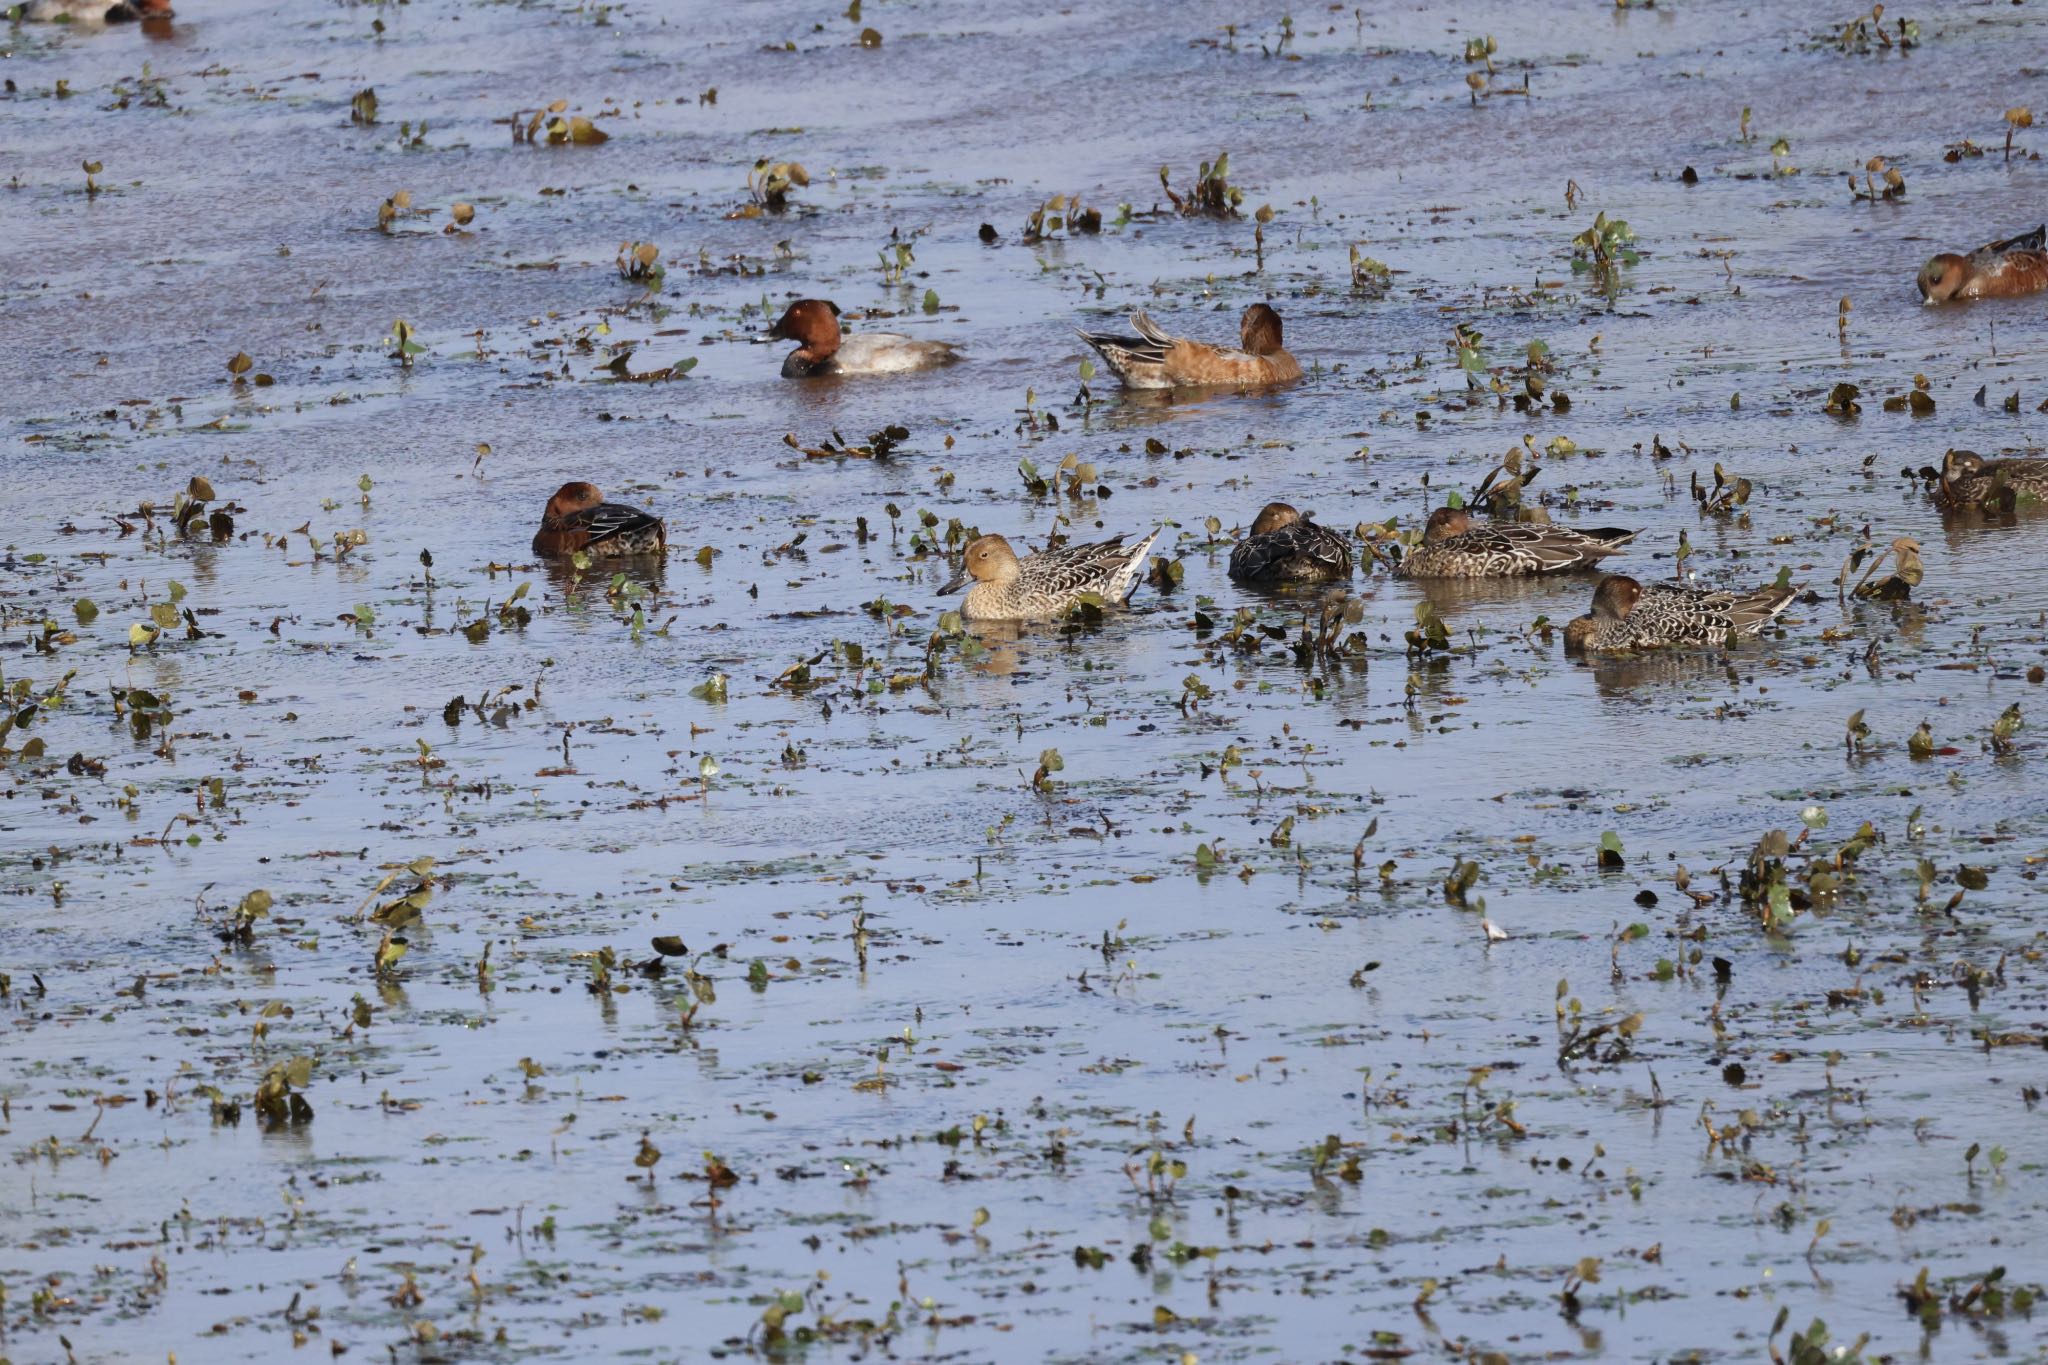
1368 276
1727 496
403 343
1062 212
1897 586
1606 243
554 126
1916 400
1868 33
2016 119
1211 194
769 184
1870 191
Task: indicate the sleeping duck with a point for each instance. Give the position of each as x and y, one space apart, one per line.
94 13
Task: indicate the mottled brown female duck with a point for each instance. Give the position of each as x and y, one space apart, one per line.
1970 480
1626 615
1046 585
1453 547
1286 547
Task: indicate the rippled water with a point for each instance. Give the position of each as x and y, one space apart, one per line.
1119 1067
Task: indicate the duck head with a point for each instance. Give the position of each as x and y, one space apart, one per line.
570 499
1272 517
1961 464
814 323
1614 599
1446 522
988 559
1259 330
1943 278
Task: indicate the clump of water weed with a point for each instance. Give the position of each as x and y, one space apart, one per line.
1212 193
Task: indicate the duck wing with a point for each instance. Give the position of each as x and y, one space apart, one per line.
1555 549
2036 240
1153 332
610 520
1149 347
1300 549
1256 557
1752 611
1318 545
1687 615
1108 567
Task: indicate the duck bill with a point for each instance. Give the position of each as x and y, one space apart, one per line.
957 582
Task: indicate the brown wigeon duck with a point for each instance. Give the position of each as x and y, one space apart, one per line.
824 349
578 518
92 13
1452 547
1626 615
1155 360
1999 270
1286 547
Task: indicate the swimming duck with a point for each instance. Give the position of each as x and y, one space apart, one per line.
1154 360
825 350
578 518
1453 548
94 12
1968 479
1286 547
1999 270
1046 585
1626 615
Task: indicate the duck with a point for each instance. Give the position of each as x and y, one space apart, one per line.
1286 547
1969 480
1453 548
1997 270
94 12
1046 585
826 350
578 518
1626 615
1153 359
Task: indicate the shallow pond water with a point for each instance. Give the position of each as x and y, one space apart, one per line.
1194 1046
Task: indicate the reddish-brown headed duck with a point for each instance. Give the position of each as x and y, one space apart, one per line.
578 518
825 349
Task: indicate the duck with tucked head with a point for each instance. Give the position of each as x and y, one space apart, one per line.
1998 270
1154 359
578 518
1286 547
1970 480
1046 585
1626 615
824 349
1452 547
93 13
